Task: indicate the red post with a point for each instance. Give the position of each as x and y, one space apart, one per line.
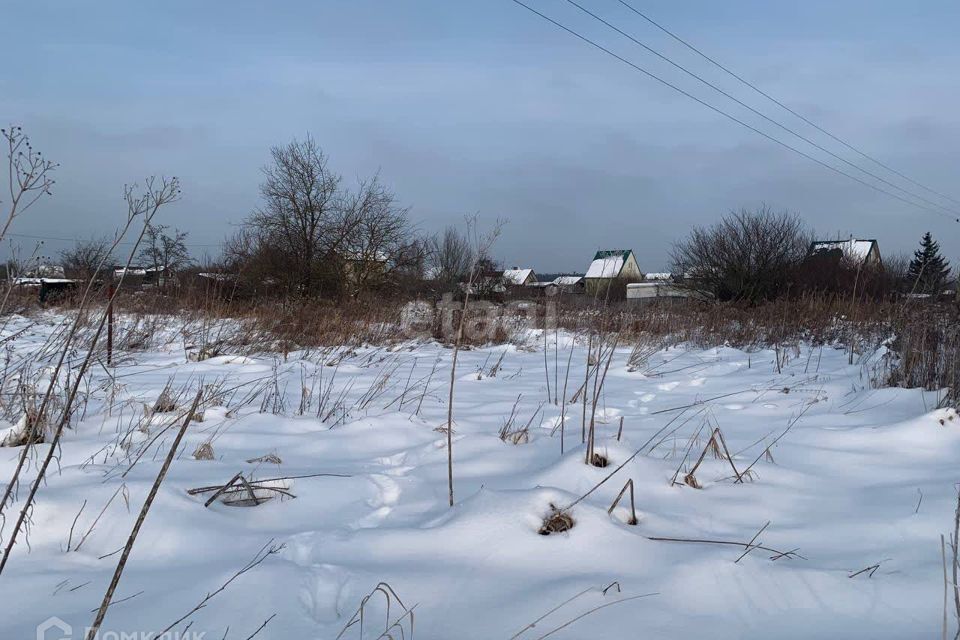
110 324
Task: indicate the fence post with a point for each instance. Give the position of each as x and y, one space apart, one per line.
110 322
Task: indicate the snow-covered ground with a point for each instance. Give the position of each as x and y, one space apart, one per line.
865 479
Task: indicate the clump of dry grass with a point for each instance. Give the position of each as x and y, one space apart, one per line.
518 435
556 521
204 452
165 402
599 460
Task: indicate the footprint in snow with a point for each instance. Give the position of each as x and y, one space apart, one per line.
387 494
388 491
321 593
668 386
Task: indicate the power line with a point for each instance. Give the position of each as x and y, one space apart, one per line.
762 115
54 238
720 111
781 104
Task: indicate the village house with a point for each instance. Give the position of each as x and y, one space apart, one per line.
609 266
853 252
518 277
569 284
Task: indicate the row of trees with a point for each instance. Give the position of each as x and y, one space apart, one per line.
311 236
756 256
162 250
315 236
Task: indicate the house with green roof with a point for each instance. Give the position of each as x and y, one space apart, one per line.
610 265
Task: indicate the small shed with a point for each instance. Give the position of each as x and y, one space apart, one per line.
49 289
653 290
569 284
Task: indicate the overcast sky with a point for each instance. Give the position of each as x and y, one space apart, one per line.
482 107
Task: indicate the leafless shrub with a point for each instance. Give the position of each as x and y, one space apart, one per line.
85 258
449 258
748 255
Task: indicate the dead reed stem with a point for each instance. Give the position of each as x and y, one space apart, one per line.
108 596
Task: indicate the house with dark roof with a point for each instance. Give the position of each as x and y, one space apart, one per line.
853 252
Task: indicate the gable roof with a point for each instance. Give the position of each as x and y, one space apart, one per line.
567 281
608 263
517 276
665 275
855 250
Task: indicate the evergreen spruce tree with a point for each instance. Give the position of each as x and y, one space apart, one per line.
928 270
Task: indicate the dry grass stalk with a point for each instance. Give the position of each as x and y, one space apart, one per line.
521 435
265 552
633 508
108 596
156 195
579 617
483 247
402 624
718 446
270 458
777 554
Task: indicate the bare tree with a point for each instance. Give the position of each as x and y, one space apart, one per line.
303 221
164 251
28 173
450 256
85 258
314 237
748 255
379 243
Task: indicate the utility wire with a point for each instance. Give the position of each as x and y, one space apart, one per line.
720 111
54 238
781 104
762 115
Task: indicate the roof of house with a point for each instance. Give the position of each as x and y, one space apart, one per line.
567 281
658 276
137 271
46 271
608 263
39 281
217 276
852 249
517 276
